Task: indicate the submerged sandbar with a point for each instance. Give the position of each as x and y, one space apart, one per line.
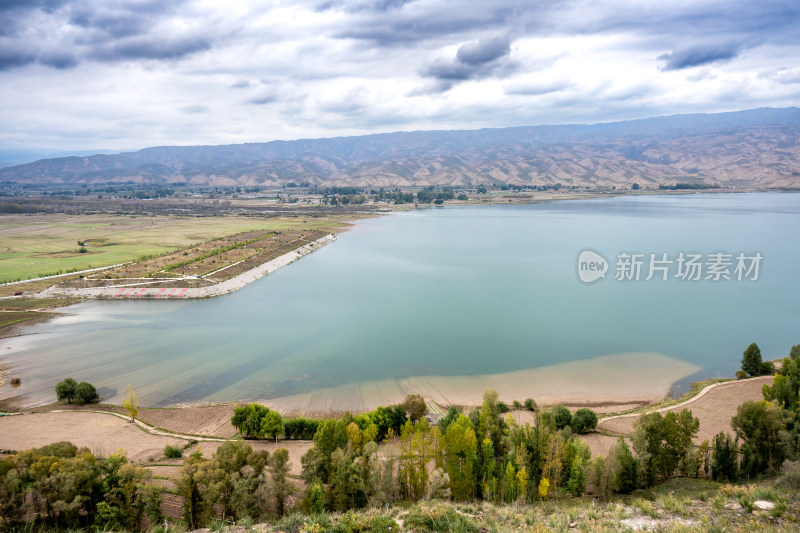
611 381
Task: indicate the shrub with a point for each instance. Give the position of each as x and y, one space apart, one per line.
172 452
86 393
741 374
767 368
530 405
790 475
584 420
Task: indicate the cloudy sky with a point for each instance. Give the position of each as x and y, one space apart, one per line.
124 74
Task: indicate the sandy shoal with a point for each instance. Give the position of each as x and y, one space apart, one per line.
605 383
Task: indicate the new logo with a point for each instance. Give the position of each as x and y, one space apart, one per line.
591 266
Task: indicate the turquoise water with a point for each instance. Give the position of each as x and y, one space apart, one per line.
446 291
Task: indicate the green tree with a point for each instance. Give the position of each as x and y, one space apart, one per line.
794 353
85 392
281 488
623 468
189 490
451 416
724 458
561 417
761 426
247 419
751 360
272 424
584 420
65 390
461 455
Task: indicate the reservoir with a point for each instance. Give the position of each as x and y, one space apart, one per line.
452 291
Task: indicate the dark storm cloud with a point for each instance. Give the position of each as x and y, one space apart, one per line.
15 54
152 47
59 60
473 61
483 51
436 21
62 33
699 55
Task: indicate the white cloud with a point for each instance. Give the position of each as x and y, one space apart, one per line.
118 75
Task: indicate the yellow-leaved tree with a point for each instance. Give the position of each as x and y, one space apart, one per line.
131 402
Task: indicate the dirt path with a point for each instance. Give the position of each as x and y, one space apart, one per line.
102 433
714 406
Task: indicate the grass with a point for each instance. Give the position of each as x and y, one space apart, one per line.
30 304
40 245
9 318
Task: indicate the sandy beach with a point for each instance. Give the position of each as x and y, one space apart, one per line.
607 383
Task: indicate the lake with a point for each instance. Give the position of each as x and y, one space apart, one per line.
451 291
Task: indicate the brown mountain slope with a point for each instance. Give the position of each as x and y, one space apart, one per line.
757 148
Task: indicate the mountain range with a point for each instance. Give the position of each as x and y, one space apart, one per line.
756 148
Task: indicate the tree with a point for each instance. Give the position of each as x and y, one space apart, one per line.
584 420
281 488
272 424
85 392
762 428
460 448
66 390
724 456
561 416
661 443
414 406
248 420
131 402
794 353
623 475
751 360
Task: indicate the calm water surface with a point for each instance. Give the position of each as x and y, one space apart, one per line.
448 291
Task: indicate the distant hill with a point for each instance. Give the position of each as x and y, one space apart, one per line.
756 148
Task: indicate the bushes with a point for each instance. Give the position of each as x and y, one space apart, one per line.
560 416
86 393
172 452
300 428
584 420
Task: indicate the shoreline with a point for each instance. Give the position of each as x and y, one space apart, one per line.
218 289
607 383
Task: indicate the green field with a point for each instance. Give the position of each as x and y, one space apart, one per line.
34 246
